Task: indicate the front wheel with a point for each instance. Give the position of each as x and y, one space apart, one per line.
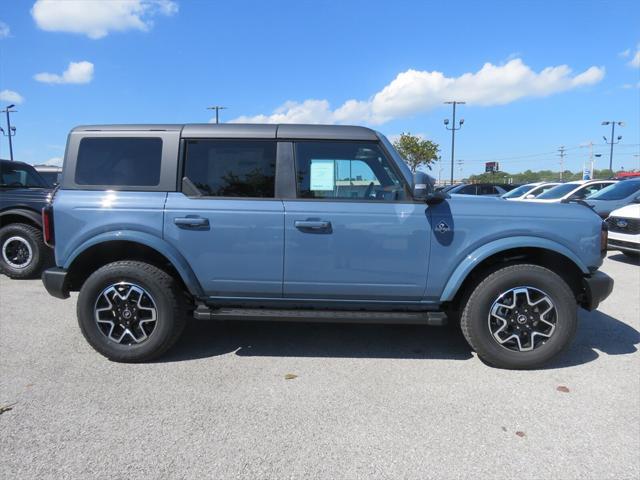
131 311
520 317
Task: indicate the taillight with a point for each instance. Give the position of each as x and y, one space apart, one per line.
47 225
604 237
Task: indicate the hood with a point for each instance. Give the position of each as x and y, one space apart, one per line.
604 207
630 211
500 207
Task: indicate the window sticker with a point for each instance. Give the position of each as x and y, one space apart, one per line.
322 175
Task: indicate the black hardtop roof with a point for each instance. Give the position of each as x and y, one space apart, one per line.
245 130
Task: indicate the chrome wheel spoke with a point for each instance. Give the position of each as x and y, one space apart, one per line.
522 318
126 313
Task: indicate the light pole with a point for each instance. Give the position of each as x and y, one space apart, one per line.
612 142
453 130
217 108
11 131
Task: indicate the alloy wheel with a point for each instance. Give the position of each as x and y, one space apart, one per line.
126 313
522 318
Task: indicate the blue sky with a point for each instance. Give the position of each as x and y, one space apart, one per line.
555 71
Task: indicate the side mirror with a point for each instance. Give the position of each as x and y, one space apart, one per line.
436 197
424 189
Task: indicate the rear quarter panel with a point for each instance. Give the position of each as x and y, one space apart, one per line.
81 215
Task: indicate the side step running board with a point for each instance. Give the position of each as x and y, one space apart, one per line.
422 318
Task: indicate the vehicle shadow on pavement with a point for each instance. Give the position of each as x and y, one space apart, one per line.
624 259
598 333
206 339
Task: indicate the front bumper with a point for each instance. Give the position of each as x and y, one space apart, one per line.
55 281
597 287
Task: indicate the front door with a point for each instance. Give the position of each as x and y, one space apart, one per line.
226 221
353 232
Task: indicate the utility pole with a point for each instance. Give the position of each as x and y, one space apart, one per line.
11 131
612 142
217 108
562 155
453 130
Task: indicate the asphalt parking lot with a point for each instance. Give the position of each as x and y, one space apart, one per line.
366 401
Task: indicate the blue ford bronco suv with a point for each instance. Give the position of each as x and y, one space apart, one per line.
153 224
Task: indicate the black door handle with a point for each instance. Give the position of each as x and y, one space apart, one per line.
313 226
191 222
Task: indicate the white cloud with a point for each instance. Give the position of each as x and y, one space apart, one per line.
11 96
54 161
635 61
625 53
96 19
77 72
5 31
417 91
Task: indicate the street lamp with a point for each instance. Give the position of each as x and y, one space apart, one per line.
453 129
612 142
11 131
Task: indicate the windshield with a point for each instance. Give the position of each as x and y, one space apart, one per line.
617 191
52 178
518 192
558 191
19 176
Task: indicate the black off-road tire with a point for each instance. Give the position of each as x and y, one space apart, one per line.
170 303
475 315
38 256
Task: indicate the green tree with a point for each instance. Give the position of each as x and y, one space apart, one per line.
416 151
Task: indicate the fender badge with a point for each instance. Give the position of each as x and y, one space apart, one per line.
442 227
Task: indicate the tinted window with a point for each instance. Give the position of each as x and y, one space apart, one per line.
617 191
119 161
18 175
52 178
518 192
467 190
488 190
558 191
232 168
346 170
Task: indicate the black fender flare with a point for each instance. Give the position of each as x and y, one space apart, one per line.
35 217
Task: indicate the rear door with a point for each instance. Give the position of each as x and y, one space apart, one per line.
226 220
353 232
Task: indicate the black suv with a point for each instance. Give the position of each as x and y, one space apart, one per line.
23 194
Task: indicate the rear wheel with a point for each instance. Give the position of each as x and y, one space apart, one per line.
520 317
23 252
131 311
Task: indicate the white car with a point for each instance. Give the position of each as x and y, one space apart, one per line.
578 190
529 191
624 230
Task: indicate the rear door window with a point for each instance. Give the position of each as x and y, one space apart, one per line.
119 161
232 168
